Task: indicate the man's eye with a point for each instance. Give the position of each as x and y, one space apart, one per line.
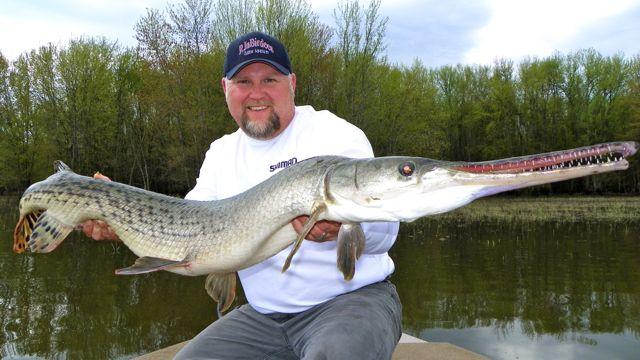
269 80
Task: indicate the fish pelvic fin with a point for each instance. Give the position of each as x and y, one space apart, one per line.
41 231
351 241
315 214
222 289
147 264
23 230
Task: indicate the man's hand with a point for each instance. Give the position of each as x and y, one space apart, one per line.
323 230
97 229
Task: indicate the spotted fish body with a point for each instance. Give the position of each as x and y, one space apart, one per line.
204 236
221 237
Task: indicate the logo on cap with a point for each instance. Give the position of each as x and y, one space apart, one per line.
247 47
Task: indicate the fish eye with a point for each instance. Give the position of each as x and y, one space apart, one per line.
407 168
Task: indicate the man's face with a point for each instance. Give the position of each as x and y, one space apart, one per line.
261 100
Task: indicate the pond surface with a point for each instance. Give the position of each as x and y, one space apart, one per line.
516 290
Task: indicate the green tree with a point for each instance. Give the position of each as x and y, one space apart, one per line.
23 133
360 47
85 134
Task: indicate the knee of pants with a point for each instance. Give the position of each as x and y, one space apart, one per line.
345 344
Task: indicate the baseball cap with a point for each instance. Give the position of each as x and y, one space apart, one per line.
256 47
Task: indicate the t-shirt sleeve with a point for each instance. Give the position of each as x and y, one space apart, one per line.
205 188
345 138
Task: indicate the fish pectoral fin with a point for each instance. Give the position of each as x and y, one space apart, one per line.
351 241
41 231
315 214
222 289
147 264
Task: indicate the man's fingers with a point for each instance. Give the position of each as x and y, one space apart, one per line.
317 233
97 230
96 234
111 234
99 176
323 230
298 223
103 230
87 228
329 226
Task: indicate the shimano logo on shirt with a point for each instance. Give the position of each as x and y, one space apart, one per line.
283 164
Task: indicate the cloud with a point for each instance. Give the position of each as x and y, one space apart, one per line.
25 26
437 33
521 28
610 35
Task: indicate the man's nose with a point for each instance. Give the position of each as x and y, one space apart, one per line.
257 92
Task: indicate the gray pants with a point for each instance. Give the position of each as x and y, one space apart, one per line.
363 324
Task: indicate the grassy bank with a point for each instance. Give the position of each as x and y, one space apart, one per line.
612 209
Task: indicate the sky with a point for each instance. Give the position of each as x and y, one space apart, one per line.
435 32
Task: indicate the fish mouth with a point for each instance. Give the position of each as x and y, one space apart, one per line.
608 155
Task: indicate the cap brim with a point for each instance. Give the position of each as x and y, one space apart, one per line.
234 70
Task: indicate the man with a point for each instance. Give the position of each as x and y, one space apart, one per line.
308 312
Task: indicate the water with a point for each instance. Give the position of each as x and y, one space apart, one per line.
541 290
523 290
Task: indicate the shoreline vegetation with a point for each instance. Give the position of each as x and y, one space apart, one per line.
559 209
145 115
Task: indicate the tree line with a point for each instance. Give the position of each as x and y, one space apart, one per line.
145 115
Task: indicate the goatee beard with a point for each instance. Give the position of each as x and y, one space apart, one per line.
261 130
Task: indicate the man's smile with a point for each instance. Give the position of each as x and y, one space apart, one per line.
257 108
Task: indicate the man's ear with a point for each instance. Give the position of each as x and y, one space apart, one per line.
223 82
293 81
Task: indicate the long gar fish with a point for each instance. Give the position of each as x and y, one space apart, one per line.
221 237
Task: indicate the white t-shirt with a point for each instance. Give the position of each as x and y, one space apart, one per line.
236 162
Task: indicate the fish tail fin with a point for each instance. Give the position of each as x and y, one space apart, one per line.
21 235
23 230
41 231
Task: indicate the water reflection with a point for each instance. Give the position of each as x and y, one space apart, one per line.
69 304
517 290
559 282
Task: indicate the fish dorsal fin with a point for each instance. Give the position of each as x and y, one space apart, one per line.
59 166
147 264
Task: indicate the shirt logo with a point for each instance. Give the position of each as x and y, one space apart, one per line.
283 164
